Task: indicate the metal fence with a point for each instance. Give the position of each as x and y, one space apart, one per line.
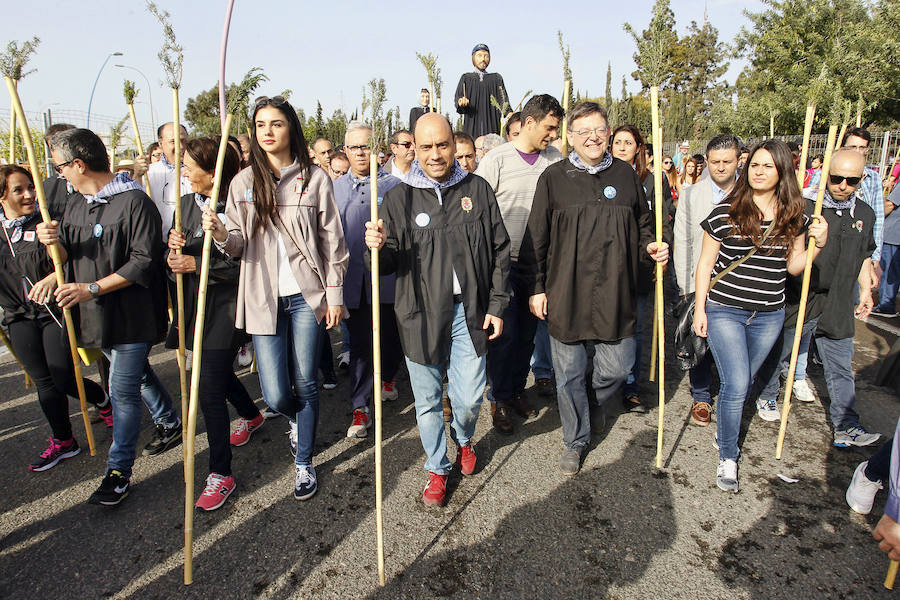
101 124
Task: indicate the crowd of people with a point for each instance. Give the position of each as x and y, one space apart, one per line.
499 257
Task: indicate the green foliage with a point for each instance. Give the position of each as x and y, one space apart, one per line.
13 61
566 53
656 47
115 134
171 55
129 91
237 96
373 104
432 73
37 138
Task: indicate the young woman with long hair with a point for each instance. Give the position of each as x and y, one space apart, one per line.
221 339
628 145
282 221
743 314
673 178
691 172
35 323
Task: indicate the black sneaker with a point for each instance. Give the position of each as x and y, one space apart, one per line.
163 439
545 387
113 489
57 451
305 485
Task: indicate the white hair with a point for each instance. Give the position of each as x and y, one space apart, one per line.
355 125
491 141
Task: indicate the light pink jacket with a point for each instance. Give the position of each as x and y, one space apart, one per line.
316 249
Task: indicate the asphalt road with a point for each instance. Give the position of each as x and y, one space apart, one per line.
518 528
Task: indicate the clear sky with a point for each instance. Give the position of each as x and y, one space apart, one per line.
328 50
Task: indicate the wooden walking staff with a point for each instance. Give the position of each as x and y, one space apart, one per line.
130 93
565 107
8 344
891 575
657 310
804 150
54 254
376 375
804 294
12 137
195 368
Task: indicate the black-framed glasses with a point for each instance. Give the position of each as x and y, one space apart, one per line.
838 180
406 145
61 165
269 101
357 149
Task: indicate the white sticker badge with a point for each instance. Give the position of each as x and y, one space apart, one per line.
423 219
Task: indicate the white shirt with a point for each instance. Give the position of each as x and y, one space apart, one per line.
287 283
161 176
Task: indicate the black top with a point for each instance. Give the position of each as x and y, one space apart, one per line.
647 270
833 277
414 114
756 284
56 191
219 332
585 236
121 237
479 116
424 251
31 262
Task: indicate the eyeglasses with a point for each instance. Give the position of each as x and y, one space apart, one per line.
406 145
667 162
60 166
862 149
599 131
362 149
267 101
838 180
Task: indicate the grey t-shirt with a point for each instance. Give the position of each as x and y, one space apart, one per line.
892 221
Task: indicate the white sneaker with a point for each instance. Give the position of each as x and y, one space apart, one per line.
245 355
726 475
855 436
389 391
861 493
802 391
344 360
188 360
767 410
292 437
360 426
268 413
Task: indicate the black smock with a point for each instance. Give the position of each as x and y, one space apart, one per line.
480 117
219 332
834 274
122 236
585 237
31 261
414 113
647 269
474 242
56 191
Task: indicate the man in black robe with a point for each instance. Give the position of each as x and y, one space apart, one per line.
423 108
441 233
473 96
589 225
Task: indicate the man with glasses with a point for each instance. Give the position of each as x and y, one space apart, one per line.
353 196
588 227
694 206
830 309
403 152
338 164
512 171
869 191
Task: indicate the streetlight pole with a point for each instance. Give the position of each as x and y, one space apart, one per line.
91 101
149 92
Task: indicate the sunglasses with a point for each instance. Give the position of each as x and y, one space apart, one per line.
406 145
838 180
267 101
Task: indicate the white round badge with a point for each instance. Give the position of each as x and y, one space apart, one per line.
610 192
423 219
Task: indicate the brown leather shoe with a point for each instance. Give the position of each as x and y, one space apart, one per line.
500 417
545 387
521 405
700 412
632 403
448 411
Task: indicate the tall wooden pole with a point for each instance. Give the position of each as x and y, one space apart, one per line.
891 575
54 254
565 128
195 366
8 344
804 294
137 138
12 138
376 374
804 150
658 309
179 279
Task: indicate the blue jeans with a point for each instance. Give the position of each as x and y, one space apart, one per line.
541 360
509 356
611 363
467 378
740 340
837 356
890 278
701 379
644 306
778 361
345 337
131 381
288 361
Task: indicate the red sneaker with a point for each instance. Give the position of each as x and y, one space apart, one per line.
389 391
435 490
218 488
106 416
245 429
465 458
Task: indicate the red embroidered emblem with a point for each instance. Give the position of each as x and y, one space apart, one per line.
466 203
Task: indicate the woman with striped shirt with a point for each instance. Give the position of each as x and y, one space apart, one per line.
742 315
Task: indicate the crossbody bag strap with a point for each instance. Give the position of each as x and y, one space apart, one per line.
738 262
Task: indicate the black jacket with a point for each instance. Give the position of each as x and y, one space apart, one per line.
474 242
585 237
31 261
647 269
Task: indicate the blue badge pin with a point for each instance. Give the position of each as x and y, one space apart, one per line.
98 230
423 219
380 200
610 192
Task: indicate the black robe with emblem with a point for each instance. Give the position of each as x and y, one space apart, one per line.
585 237
472 242
121 237
479 116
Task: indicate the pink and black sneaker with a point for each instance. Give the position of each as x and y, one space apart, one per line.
58 450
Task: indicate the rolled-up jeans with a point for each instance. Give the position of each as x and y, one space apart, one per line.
288 361
467 377
740 340
612 362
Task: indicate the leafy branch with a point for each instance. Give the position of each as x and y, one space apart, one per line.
373 102
171 55
239 94
13 61
129 91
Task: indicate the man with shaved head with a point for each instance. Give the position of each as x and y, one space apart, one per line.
441 233
830 311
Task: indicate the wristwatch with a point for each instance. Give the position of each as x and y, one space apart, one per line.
94 289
